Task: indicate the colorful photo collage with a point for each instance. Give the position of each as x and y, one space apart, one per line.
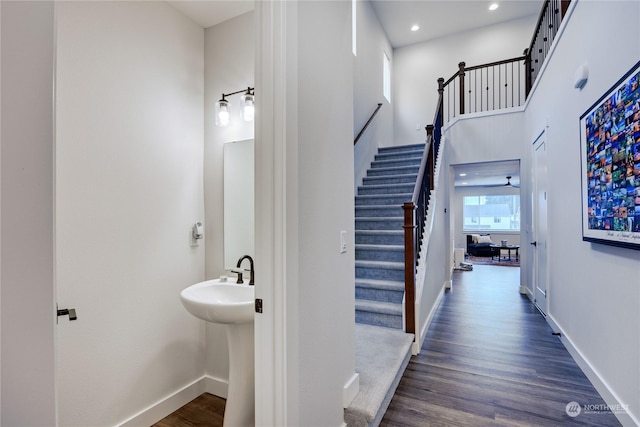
612 132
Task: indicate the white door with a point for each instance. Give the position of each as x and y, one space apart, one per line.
539 243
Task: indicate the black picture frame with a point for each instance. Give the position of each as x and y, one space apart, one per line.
610 165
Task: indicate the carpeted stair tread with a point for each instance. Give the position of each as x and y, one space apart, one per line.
383 199
380 284
390 155
382 355
400 148
381 264
409 161
381 307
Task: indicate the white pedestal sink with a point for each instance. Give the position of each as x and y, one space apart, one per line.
232 305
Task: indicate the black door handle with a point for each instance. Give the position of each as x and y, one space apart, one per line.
534 243
71 312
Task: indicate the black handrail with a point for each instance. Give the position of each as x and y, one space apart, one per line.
366 125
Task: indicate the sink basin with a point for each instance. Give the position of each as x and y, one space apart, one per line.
220 302
231 305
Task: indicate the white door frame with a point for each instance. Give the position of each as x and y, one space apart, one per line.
27 211
539 220
276 42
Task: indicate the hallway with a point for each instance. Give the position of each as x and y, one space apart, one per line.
489 358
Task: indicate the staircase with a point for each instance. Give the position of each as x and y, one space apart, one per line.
379 236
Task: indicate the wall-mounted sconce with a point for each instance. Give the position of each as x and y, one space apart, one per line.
248 107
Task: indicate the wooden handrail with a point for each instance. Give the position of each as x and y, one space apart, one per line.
366 125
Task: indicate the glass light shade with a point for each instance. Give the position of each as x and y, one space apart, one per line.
222 113
248 107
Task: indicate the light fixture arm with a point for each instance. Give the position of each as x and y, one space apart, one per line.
248 91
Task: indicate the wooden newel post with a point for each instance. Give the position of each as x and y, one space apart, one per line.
461 77
409 267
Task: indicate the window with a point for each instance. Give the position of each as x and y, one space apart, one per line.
491 213
354 44
386 76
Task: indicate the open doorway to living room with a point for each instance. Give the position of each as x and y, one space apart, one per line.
485 213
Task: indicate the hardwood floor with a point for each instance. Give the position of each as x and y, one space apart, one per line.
489 359
206 410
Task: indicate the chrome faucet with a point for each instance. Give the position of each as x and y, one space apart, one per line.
250 267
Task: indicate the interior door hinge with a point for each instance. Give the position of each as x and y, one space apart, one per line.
258 305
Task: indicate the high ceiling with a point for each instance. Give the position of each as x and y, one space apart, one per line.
436 18
439 18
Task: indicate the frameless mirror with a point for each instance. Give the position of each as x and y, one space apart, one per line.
238 201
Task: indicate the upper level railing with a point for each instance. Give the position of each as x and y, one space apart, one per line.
486 87
553 11
507 83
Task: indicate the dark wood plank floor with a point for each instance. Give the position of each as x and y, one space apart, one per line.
206 410
489 359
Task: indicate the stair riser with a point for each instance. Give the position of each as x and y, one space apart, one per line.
390 189
379 239
377 319
391 200
384 171
402 179
400 155
367 224
391 255
415 161
379 273
379 295
377 212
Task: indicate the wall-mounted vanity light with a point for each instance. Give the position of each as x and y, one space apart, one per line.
248 107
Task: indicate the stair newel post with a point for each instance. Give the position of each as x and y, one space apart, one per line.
409 266
527 72
461 66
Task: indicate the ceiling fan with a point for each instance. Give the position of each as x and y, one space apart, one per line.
508 184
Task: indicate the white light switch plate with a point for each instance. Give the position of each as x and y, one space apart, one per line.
343 242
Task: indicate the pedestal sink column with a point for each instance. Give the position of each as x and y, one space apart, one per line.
240 408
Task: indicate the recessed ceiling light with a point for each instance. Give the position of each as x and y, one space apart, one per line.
463 174
494 6
464 183
415 27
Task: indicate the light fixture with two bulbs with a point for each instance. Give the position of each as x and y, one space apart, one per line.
223 110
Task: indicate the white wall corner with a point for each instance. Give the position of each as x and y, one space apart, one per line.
350 389
216 386
609 396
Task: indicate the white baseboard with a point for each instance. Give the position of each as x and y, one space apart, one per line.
171 403
610 398
350 389
526 291
417 344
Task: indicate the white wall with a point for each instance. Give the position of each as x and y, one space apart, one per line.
229 55
304 156
324 206
28 349
418 67
594 290
129 171
367 90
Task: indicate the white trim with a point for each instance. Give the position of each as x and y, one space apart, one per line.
350 389
216 386
276 62
607 394
174 401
